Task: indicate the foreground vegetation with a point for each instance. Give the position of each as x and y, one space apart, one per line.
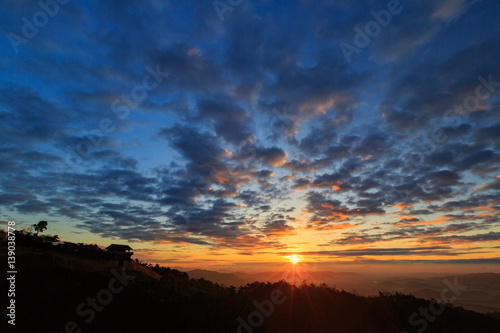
49 294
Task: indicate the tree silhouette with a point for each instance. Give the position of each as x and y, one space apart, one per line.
40 226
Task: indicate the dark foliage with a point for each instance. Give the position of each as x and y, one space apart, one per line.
48 295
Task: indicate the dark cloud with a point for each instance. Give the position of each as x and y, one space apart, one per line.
272 156
277 227
429 250
443 177
33 206
230 121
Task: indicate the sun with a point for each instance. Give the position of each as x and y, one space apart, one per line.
294 258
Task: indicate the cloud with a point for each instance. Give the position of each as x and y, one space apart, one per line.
277 227
272 156
426 250
230 121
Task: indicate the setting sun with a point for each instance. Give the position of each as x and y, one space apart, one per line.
294 259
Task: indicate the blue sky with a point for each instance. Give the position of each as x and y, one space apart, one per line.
246 129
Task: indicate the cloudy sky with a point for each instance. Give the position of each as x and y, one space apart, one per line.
244 131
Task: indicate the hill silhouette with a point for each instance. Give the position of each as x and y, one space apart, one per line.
55 295
482 293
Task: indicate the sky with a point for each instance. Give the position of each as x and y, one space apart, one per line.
235 133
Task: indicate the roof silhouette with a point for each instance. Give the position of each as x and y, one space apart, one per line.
118 247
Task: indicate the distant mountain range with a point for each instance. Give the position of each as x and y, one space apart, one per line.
482 291
238 278
227 279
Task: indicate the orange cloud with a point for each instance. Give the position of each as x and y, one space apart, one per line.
437 220
402 206
332 227
317 107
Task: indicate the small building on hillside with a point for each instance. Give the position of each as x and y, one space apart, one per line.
119 253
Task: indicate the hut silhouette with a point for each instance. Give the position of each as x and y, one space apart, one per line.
119 252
